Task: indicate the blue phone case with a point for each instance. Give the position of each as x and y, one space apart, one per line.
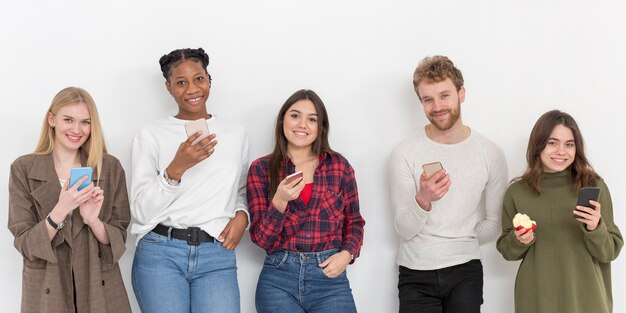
77 173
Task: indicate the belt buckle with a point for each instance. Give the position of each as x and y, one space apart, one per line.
193 236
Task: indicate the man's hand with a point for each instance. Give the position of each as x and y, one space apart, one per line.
432 189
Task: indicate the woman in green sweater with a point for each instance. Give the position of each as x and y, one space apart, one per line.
566 261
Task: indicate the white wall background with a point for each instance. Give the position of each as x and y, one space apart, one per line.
519 59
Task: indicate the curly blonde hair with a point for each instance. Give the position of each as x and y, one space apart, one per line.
434 69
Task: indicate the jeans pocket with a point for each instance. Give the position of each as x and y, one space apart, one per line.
152 237
275 260
341 276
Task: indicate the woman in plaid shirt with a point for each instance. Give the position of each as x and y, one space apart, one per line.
310 227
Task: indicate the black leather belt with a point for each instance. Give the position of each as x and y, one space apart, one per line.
193 235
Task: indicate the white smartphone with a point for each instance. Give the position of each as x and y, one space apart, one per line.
194 127
293 177
77 173
432 168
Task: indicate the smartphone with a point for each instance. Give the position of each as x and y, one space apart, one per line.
432 168
584 195
293 177
77 173
588 193
194 127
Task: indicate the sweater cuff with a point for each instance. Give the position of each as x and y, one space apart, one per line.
247 215
419 210
597 234
164 184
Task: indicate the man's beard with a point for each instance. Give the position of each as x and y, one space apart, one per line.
450 121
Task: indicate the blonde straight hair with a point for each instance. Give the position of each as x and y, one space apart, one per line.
94 148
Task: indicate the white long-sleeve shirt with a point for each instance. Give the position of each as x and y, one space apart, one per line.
209 193
470 211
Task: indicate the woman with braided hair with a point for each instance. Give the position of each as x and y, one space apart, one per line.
188 199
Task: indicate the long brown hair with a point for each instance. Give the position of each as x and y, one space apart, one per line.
278 160
94 148
582 173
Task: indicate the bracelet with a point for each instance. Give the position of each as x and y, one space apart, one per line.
171 182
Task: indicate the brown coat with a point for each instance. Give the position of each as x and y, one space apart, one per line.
48 265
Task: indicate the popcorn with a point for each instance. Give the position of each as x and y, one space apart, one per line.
522 221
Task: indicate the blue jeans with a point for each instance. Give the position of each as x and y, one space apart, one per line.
454 289
293 282
171 276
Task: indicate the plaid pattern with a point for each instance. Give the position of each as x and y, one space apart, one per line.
331 220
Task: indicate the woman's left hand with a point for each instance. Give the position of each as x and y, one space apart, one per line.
336 263
589 216
90 209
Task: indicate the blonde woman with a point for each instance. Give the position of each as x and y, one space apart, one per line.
70 239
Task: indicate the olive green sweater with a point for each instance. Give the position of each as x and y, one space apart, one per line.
566 269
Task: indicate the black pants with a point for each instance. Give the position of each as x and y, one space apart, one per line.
455 289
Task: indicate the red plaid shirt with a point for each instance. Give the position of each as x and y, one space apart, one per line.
331 220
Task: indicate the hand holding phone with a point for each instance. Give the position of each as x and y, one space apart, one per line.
199 125
79 172
588 193
431 169
285 192
584 195
297 176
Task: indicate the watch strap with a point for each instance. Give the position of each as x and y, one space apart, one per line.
53 224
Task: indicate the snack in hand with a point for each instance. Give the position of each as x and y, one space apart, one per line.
522 221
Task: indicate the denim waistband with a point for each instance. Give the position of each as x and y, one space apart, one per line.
303 257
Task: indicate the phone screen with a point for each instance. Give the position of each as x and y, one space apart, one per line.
195 126
77 173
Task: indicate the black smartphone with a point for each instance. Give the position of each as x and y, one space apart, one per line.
585 194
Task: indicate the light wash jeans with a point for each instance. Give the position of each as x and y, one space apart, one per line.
171 276
293 282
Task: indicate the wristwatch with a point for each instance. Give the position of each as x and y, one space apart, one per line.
53 224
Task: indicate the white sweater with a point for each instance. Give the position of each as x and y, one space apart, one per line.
448 234
209 193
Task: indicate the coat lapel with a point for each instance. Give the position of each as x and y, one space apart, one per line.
45 183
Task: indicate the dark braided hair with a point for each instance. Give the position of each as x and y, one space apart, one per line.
176 57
